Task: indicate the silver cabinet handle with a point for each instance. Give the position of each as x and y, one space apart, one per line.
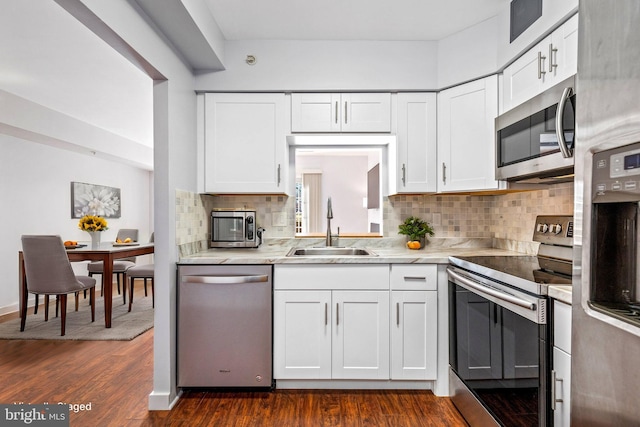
554 392
404 175
326 314
444 173
345 112
337 115
552 52
398 313
415 278
566 151
337 313
278 175
541 70
224 279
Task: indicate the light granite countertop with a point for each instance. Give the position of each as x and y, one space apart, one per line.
386 252
561 293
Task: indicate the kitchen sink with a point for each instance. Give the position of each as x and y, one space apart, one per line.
330 251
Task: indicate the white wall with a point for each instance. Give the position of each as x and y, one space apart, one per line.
325 65
468 54
174 118
36 199
344 179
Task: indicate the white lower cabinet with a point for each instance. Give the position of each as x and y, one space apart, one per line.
414 335
360 341
302 336
414 322
351 322
331 334
561 374
561 383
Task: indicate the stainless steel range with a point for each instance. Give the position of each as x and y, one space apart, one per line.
500 329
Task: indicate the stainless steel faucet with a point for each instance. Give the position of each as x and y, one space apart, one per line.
329 217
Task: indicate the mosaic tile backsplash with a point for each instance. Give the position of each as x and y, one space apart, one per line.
502 217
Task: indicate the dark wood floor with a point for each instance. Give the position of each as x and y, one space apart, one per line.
115 377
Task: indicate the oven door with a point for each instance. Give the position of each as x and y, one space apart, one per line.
499 354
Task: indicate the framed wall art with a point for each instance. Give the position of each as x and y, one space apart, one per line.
92 199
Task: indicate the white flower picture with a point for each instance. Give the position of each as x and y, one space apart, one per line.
91 199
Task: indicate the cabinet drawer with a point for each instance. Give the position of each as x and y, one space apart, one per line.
412 277
331 276
562 326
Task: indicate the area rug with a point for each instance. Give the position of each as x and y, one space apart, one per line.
124 325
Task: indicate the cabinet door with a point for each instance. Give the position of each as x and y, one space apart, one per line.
315 112
302 335
524 78
366 112
414 335
479 337
466 136
563 62
417 143
561 393
360 335
245 143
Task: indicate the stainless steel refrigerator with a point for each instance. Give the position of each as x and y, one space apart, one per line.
605 359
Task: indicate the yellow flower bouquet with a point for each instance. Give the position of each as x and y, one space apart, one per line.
92 223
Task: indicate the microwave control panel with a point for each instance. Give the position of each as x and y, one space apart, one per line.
616 174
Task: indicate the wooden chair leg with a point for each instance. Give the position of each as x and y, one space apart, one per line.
35 307
92 300
46 308
153 295
118 282
23 310
145 286
57 305
131 293
77 295
63 314
124 288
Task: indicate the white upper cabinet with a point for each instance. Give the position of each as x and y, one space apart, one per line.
417 143
466 136
549 62
245 143
335 112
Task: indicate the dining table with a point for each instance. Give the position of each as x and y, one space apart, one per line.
106 252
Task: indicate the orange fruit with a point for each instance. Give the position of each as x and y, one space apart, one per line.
413 244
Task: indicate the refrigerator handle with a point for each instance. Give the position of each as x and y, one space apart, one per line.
566 151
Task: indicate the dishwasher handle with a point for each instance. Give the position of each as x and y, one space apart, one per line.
225 279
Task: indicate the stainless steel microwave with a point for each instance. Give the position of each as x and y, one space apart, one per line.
231 228
535 140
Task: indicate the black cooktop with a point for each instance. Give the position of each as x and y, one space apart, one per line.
524 272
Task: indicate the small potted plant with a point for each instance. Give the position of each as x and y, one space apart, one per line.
415 229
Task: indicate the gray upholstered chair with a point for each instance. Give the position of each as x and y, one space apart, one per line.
49 272
144 272
119 265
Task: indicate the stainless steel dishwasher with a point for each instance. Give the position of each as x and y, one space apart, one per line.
225 326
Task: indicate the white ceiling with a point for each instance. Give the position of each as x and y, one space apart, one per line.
50 58
350 19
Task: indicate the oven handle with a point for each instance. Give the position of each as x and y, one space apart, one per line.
497 294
